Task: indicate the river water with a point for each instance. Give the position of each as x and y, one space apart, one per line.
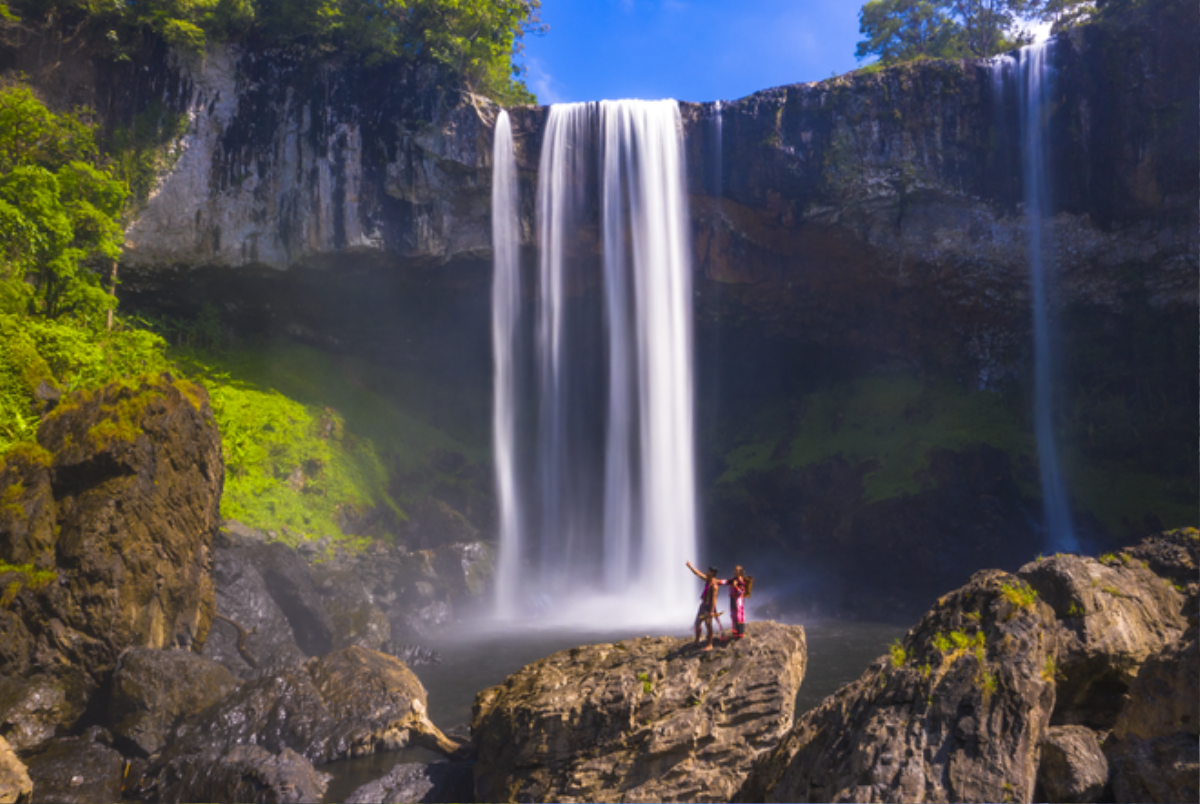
838 653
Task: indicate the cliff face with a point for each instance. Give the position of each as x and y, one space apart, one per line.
861 273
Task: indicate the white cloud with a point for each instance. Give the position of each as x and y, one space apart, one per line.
541 82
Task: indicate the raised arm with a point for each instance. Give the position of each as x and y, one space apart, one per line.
697 572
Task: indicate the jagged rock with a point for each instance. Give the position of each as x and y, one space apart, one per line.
650 719
417 782
349 703
357 620
153 690
955 714
136 477
1115 614
33 710
15 785
1154 748
412 655
248 773
289 580
1172 554
251 631
1073 769
73 770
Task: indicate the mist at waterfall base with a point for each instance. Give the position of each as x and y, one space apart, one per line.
593 374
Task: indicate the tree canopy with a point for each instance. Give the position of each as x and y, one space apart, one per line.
900 30
477 39
59 210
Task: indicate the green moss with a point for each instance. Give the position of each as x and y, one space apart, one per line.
1020 594
27 577
890 421
898 655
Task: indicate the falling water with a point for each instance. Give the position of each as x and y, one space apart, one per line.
611 517
1035 87
506 308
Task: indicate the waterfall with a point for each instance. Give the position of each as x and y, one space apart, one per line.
1035 78
506 308
610 515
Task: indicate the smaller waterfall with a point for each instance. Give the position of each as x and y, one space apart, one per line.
1035 90
506 308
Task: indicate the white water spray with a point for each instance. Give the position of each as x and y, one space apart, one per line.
1035 78
612 515
506 308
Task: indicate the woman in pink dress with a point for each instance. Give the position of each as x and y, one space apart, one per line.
737 594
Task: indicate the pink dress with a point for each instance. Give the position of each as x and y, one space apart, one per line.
737 593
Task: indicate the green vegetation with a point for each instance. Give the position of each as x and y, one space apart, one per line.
1020 594
27 576
899 655
647 684
1050 669
475 39
902 30
891 422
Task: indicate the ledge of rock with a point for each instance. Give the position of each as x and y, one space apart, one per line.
650 719
956 713
15 785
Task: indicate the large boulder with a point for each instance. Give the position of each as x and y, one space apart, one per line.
115 514
650 719
32 710
956 713
1073 769
75 770
154 690
1155 744
15 785
350 703
1115 613
250 632
246 773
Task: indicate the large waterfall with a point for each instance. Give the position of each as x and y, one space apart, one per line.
1034 76
602 527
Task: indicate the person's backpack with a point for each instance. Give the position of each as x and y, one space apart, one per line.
749 584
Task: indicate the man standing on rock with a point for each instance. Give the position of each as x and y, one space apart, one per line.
708 601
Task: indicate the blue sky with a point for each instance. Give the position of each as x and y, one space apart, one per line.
695 50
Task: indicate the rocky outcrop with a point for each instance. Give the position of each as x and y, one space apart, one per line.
154 690
32 710
1154 748
114 512
349 703
435 782
650 719
15 785
1115 614
956 713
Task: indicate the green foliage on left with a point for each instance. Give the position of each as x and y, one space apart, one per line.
60 211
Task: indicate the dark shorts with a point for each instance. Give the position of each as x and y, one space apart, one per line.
706 611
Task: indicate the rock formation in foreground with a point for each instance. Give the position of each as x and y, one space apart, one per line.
650 719
1073 680
104 543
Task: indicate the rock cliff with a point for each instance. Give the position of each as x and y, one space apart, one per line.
650 719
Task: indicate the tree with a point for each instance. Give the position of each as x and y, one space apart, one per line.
59 209
1065 13
899 30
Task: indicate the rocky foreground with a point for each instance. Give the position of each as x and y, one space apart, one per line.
650 719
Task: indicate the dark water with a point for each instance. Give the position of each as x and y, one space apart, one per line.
838 653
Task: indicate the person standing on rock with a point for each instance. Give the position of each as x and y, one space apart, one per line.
739 587
708 601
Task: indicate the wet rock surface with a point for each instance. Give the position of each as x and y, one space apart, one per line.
417 782
248 773
956 714
650 719
33 710
348 703
154 690
76 770
15 784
